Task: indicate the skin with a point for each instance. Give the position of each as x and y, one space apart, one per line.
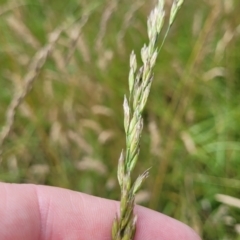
48 213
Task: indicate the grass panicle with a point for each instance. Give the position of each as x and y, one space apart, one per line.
139 82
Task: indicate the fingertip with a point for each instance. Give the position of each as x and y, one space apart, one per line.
153 225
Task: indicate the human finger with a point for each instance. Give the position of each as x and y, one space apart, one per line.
49 213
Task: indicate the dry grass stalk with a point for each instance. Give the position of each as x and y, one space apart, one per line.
76 33
228 200
10 6
124 225
127 20
111 8
22 31
37 64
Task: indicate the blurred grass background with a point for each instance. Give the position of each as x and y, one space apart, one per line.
68 130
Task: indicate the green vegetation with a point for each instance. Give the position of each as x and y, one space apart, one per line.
68 129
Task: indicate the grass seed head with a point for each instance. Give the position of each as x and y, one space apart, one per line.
140 82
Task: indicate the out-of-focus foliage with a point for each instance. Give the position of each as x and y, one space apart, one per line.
68 131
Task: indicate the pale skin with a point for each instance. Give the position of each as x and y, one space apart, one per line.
33 212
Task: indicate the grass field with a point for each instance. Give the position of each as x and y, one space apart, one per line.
63 74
